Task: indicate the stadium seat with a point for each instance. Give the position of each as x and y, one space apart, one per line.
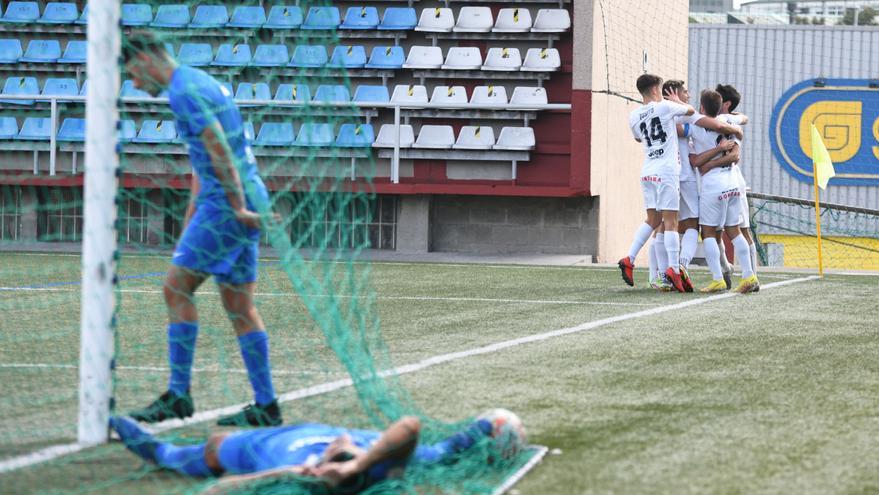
315 135
349 57
309 56
322 18
129 91
513 20
229 55
10 51
249 132
136 14
60 87
542 60
386 57
399 19
387 136
59 13
326 92
171 16
284 17
76 52
503 59
42 51
515 139
195 54
424 57
157 131
524 97
8 128
360 18
228 87
72 130
293 92
475 138
170 47
85 88
410 94
436 20
210 16
275 134
84 17
35 129
16 85
436 137
463 58
489 95
127 131
449 95
355 136
271 56
21 12
474 20
372 94
253 91
552 21
247 17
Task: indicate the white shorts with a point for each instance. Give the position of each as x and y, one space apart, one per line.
745 210
720 209
660 193
689 200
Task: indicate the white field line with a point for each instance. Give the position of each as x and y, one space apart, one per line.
163 369
323 388
518 475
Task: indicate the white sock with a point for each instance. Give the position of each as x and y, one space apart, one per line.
722 259
641 236
689 243
712 256
743 254
653 270
753 249
673 247
661 252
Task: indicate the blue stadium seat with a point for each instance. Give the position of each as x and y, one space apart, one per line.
35 129
59 13
284 17
247 17
322 18
60 87
195 54
253 91
355 136
315 135
136 14
327 92
16 85
271 56
84 18
249 133
309 56
210 16
365 93
21 12
72 130
129 91
10 51
8 128
170 47
157 131
386 57
228 86
42 51
360 18
349 57
127 131
399 19
293 92
229 55
75 52
275 134
85 88
171 16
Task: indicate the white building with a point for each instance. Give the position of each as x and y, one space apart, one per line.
830 10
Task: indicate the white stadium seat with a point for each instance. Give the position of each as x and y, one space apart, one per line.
525 97
438 20
435 137
387 136
424 57
542 60
503 59
463 58
411 94
449 95
475 138
552 21
513 21
515 139
474 20
489 95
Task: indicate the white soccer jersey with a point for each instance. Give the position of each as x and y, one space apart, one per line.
654 125
687 172
718 178
737 171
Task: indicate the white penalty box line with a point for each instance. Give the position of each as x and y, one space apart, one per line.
56 451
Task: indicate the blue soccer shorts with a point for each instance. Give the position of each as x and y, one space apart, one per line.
215 242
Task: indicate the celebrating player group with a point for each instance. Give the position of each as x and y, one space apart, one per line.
679 142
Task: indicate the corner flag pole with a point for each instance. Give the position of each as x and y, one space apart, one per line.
818 220
822 172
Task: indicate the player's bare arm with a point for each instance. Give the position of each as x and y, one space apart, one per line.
223 163
719 127
732 156
698 160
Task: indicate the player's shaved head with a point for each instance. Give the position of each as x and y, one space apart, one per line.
646 83
711 102
729 94
143 43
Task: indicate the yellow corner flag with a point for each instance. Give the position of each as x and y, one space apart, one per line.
823 166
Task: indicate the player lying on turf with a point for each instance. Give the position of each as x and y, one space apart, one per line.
337 457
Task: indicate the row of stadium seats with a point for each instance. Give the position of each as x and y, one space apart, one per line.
479 20
43 51
469 138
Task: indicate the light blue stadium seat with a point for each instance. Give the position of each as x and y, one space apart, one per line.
42 51
21 12
293 92
229 55
386 57
284 17
60 87
127 131
59 13
35 129
129 91
85 88
195 54
228 86
271 56
327 92
72 130
16 85
171 16
210 16
349 57
170 47
355 136
372 94
84 18
10 51
309 56
247 17
315 135
8 128
253 91
399 19
275 134
157 131
249 132
136 14
360 18
322 18
76 52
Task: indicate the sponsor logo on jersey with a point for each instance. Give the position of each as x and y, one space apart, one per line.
651 178
656 153
730 193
